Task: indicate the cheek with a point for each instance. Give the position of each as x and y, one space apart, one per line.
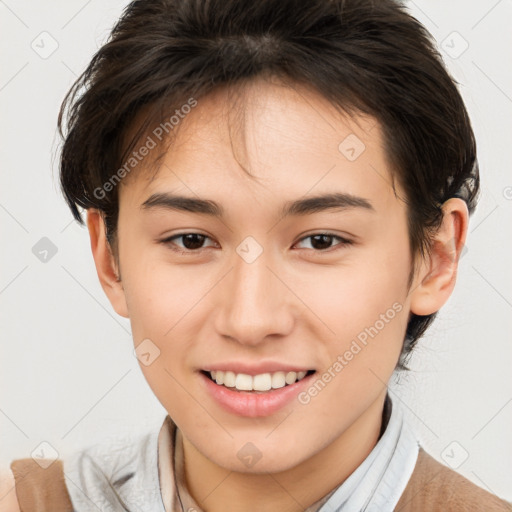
159 296
364 303
160 299
367 312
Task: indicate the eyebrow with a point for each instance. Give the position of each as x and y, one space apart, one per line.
305 206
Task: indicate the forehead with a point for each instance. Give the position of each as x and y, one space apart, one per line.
270 141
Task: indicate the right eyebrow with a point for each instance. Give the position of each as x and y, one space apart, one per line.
183 203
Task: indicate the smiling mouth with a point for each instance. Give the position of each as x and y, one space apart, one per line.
261 383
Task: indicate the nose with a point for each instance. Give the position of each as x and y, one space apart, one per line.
254 302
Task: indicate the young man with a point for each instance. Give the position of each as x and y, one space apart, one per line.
277 196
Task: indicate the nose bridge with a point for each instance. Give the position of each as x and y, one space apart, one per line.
254 302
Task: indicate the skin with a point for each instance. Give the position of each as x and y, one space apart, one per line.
294 303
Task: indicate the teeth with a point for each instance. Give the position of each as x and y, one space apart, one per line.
229 379
261 382
243 382
290 378
278 380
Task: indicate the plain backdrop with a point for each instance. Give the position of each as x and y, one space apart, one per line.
68 376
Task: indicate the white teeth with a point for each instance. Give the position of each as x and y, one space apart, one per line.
229 379
243 382
278 380
260 382
290 378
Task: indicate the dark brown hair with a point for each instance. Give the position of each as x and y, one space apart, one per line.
364 56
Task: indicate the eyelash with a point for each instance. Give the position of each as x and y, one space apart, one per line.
343 242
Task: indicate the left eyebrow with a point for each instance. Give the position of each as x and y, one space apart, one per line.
305 206
320 203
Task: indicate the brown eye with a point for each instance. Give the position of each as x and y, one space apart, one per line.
193 240
323 241
190 242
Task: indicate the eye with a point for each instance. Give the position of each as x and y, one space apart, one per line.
321 242
192 242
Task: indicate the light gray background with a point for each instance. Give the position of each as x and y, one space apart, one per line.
68 376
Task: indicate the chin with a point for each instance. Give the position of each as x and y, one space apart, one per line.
256 457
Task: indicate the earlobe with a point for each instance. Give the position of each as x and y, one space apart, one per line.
106 267
436 278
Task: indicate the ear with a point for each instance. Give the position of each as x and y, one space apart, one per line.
436 277
106 266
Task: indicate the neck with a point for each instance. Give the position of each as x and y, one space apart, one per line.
218 490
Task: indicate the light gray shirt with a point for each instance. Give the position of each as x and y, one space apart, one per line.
146 473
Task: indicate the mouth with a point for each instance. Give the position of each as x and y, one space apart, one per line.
255 384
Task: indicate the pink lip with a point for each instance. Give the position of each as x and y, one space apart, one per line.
255 369
252 404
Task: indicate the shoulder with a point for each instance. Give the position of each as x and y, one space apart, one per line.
8 499
109 472
36 485
434 486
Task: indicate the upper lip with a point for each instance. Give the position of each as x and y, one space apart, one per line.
255 369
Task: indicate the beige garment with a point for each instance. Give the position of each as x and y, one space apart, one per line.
40 487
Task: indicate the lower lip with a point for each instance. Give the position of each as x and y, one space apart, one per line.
253 404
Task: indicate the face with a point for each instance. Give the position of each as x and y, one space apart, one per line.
266 283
